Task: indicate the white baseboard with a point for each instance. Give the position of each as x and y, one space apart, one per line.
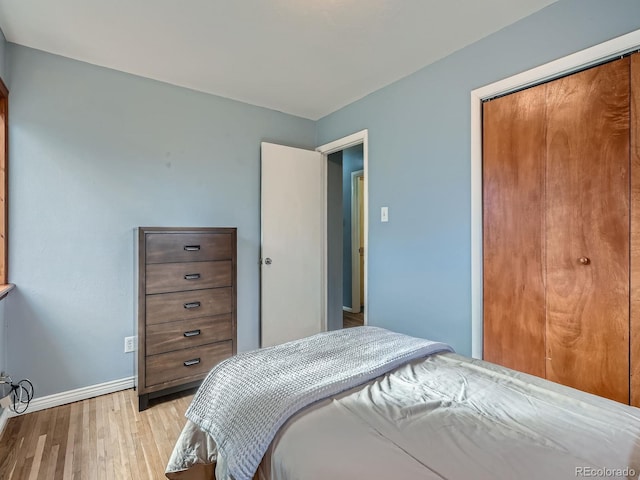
4 417
352 310
71 396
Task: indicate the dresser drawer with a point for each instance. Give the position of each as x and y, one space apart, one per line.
188 247
174 277
167 337
170 307
185 364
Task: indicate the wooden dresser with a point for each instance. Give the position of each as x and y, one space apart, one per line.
186 308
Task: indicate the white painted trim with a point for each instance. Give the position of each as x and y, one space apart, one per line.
554 69
4 418
349 309
343 143
355 242
365 208
361 137
70 396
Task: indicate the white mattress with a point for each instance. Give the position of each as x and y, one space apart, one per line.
447 417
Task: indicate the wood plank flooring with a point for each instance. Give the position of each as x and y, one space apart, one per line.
100 438
352 319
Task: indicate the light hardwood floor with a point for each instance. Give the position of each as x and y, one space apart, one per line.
352 319
100 438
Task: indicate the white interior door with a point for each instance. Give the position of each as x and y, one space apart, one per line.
292 250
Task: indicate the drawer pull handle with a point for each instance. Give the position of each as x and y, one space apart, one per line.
192 305
192 276
195 361
192 333
192 248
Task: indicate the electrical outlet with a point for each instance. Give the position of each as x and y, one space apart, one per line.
129 344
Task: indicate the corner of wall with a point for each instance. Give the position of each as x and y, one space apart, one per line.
4 67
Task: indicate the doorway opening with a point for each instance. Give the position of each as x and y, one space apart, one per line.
345 248
346 206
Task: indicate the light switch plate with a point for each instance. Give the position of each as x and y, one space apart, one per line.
384 214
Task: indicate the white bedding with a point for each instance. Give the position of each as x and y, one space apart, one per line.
245 399
449 417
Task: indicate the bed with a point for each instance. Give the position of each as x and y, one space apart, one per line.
434 415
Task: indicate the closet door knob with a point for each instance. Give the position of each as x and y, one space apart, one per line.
584 260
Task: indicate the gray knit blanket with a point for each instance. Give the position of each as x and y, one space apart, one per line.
245 399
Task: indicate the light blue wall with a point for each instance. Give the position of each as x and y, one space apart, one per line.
3 63
419 144
96 153
352 161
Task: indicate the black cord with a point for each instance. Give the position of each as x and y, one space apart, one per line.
22 393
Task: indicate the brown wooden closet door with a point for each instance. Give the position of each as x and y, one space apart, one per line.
635 230
587 225
513 230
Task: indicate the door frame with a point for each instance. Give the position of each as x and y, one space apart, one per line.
361 137
356 301
548 71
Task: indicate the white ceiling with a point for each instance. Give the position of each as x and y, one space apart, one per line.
304 57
